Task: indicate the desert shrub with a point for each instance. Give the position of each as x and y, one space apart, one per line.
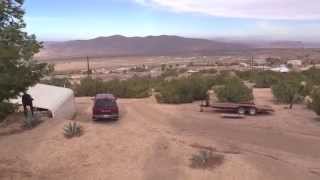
174 92
172 72
246 75
265 79
293 76
233 90
6 109
206 159
88 87
288 91
261 79
221 78
184 90
208 71
61 82
315 96
30 121
136 87
72 129
187 90
312 76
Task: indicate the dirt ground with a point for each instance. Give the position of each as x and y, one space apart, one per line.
153 141
65 65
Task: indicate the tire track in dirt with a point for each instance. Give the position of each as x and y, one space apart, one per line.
287 148
161 163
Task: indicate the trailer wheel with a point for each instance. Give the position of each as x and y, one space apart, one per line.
252 111
241 110
201 109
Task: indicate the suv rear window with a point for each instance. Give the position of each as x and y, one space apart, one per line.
105 103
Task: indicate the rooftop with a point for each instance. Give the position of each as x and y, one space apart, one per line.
105 96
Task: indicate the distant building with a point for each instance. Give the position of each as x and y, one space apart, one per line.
123 70
192 71
260 62
282 68
294 63
244 65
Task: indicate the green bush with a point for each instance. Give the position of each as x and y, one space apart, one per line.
315 96
312 76
266 79
288 91
184 90
136 87
246 75
233 90
132 88
175 92
208 71
173 72
6 109
261 79
61 82
88 87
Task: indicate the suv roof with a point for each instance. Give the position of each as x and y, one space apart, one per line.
105 96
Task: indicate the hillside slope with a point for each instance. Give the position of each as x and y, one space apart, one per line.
122 46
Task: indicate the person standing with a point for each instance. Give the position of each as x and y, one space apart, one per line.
27 101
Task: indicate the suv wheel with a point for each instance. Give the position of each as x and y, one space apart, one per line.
253 111
241 110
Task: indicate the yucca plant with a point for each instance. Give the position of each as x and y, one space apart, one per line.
72 129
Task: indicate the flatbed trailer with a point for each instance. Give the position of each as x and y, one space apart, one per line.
241 108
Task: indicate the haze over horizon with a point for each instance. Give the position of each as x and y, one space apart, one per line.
234 19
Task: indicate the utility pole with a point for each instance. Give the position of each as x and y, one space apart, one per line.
251 63
88 66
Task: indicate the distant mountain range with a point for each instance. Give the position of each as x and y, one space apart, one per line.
125 46
152 45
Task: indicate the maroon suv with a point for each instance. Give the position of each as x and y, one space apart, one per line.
105 107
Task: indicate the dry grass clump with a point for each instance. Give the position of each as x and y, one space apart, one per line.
206 159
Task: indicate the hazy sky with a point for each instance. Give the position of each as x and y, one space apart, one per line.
262 19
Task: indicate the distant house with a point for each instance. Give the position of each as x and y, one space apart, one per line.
294 63
192 71
121 70
260 62
243 65
282 68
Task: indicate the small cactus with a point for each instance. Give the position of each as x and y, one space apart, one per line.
72 129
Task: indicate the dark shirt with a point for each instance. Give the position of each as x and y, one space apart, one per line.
27 99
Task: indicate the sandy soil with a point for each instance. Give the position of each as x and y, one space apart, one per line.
153 141
111 63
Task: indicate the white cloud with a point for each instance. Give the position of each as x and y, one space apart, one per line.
256 9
